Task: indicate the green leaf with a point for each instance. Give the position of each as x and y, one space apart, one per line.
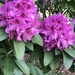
23 66
17 71
70 51
0 4
19 49
73 46
38 71
71 5
35 70
41 63
32 69
48 73
2 50
71 69
54 63
57 52
37 39
29 45
63 5
48 56
46 69
37 53
8 66
3 35
68 60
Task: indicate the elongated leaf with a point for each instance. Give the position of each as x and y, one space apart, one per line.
29 45
8 66
48 73
35 70
39 72
54 63
46 69
37 53
70 51
37 39
67 60
48 56
22 65
19 49
3 35
17 71
63 4
32 69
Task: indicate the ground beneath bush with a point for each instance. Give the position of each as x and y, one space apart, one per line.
62 69
66 72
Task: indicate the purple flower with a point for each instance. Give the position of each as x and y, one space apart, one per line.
20 19
57 32
3 22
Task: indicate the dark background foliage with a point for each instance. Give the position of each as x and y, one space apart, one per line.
47 60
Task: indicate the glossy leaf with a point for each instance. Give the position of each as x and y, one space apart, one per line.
8 66
70 51
32 69
3 35
38 71
54 63
67 60
19 49
23 66
48 73
29 45
46 69
35 70
37 39
17 71
37 53
48 56
57 52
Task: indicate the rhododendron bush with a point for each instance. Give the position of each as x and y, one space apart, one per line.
42 29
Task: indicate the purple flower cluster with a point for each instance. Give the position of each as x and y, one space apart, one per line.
57 32
20 19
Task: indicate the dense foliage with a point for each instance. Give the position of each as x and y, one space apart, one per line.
43 29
